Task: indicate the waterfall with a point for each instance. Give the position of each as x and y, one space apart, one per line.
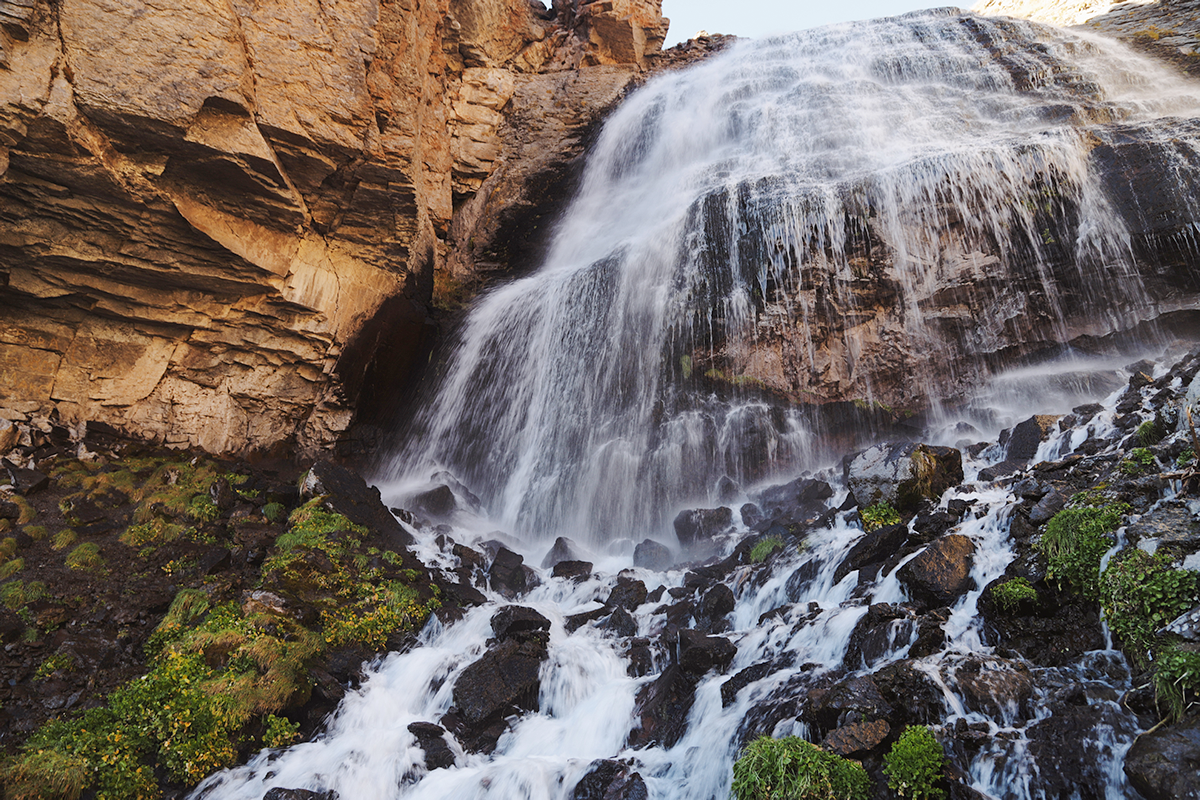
864 216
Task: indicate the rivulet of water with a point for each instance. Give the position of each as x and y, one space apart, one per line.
707 281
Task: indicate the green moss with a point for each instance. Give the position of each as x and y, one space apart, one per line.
202 509
280 731
793 769
86 558
57 662
11 567
1185 458
64 539
764 547
8 548
1010 594
1074 543
151 534
879 515
28 512
45 774
1148 433
915 764
1140 594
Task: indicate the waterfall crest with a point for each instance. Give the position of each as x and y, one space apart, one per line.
864 216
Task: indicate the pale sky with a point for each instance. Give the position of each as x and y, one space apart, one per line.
755 18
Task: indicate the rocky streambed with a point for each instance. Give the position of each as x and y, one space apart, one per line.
1032 600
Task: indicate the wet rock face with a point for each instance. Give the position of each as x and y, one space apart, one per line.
208 243
902 475
1165 764
942 572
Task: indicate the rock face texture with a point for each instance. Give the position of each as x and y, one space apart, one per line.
214 216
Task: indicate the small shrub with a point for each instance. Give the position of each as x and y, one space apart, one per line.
1148 433
764 547
45 775
1010 594
64 539
203 509
274 512
17 594
793 769
879 515
1177 680
8 548
914 764
11 567
85 558
36 532
280 731
1074 543
1185 458
64 662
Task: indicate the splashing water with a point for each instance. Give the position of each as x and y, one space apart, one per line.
866 212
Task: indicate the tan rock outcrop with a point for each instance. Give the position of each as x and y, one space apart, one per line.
218 219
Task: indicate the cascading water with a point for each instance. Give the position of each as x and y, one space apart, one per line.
778 186
867 213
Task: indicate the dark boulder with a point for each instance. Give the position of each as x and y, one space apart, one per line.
699 653
932 524
299 794
512 620
1165 764
652 555
1022 442
996 687
432 739
1071 749
620 623
25 481
1047 507
505 676
874 548
438 502
799 492
628 593
717 602
563 549
607 779
942 572
576 570
829 708
902 474
662 708
855 739
507 573
882 628
698 526
1053 630
349 495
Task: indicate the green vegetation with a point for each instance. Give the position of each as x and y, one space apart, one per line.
1149 433
1140 459
879 515
86 558
1139 594
1074 543
274 512
915 764
17 594
58 662
11 567
793 769
64 539
280 731
202 509
1010 594
8 548
1177 680
764 547
36 532
1186 457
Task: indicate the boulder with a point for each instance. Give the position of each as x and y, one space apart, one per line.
1072 748
349 495
874 547
619 623
857 738
1022 442
699 653
883 628
1165 764
505 676
699 526
512 620
902 474
1047 507
717 602
432 739
576 570
507 573
299 794
563 549
662 708
438 502
653 556
942 572
824 707
628 593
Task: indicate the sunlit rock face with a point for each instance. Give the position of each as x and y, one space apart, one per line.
214 216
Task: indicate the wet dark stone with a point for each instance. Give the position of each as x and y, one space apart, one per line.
11 626
751 515
1047 507
299 794
505 676
9 510
717 602
1085 412
1027 436
874 547
652 555
702 524
1165 764
932 524
1001 470
942 572
641 658
628 593
727 490
84 512
214 560
799 581
756 672
25 481
1053 633
610 780
438 502
579 570
1069 751
620 623
993 686
432 739
800 492
461 593
857 738
827 708
628 787
916 700
471 558
871 640
349 495
699 653
222 494
563 549
507 573
512 620
577 621
663 706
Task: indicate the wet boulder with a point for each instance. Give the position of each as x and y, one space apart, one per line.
941 573
717 602
438 502
662 708
856 739
917 700
505 677
607 779
1022 442
653 556
997 687
1050 504
510 621
628 593
850 700
299 794
1165 764
563 549
619 623
432 739
576 570
697 527
699 653
882 628
507 573
798 501
346 493
1072 748
902 474
874 548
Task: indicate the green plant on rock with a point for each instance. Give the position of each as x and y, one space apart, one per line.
1186 457
1140 459
274 512
1010 594
85 558
915 764
793 769
1177 680
764 548
1148 433
11 567
57 662
202 509
1074 543
878 515
1140 593
280 731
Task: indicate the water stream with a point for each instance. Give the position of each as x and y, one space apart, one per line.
773 189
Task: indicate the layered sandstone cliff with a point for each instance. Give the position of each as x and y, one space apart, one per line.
217 220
